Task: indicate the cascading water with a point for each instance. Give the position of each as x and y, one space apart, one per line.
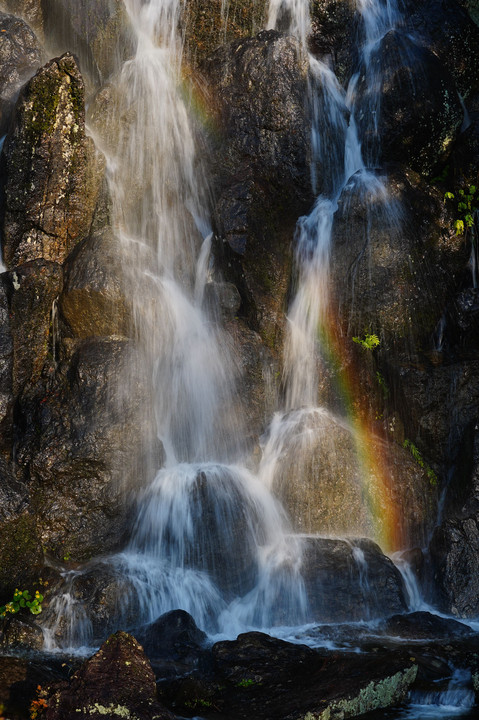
209 535
338 154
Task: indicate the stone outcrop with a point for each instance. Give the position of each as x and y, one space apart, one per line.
261 173
346 580
116 682
51 168
20 57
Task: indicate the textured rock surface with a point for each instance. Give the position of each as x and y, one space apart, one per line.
51 168
455 543
448 30
20 57
73 437
96 32
333 26
325 473
92 302
350 580
210 23
413 83
261 173
116 682
395 260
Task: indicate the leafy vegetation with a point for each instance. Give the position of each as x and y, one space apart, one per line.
22 599
466 207
421 462
369 342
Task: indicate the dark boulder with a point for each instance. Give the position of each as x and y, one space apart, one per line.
174 644
92 302
35 288
350 580
116 682
20 57
79 440
395 260
261 170
413 84
454 546
450 33
426 626
52 172
207 24
333 28
261 676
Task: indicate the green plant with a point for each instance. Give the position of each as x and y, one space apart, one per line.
22 599
245 683
421 462
466 207
369 342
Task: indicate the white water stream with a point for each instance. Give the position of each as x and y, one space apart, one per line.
209 535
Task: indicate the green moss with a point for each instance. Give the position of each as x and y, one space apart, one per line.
374 696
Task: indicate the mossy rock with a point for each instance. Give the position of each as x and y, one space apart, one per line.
21 556
207 24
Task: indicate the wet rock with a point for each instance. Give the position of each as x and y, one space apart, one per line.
85 605
350 580
30 10
261 174
268 678
21 634
450 33
396 262
414 84
79 440
21 556
6 365
455 544
333 28
20 57
52 173
174 644
96 32
22 680
256 374
116 682
320 480
424 625
438 402
92 302
34 288
207 24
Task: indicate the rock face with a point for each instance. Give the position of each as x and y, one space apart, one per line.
50 192
76 459
414 83
350 580
395 260
210 23
449 32
324 474
20 57
262 175
116 682
455 544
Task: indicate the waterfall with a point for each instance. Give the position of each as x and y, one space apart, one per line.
209 535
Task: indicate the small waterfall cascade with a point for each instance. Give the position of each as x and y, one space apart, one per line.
346 161
453 701
209 535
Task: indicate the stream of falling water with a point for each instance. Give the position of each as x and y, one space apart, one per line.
209 536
